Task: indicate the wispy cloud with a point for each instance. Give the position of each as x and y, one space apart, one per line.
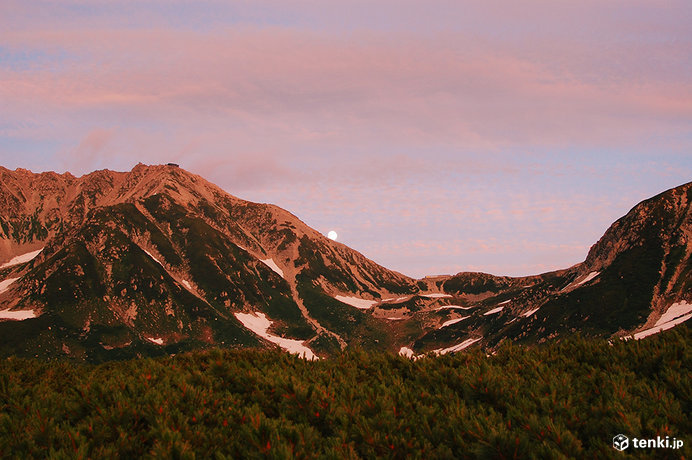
397 120
379 86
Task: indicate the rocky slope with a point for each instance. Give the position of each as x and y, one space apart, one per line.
636 279
159 257
158 260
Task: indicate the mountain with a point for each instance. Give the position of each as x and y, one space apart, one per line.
158 260
636 279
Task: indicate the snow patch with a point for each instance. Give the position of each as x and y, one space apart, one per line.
17 314
505 302
5 285
493 311
676 314
530 312
405 351
395 318
152 256
455 307
396 299
23 258
259 324
662 327
156 340
453 321
187 285
356 302
457 347
271 264
586 279
674 311
435 296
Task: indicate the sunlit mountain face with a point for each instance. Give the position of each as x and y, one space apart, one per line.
158 260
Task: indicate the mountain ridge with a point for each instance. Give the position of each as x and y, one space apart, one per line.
158 259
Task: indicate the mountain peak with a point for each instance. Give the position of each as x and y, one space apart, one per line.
158 258
659 218
184 187
163 253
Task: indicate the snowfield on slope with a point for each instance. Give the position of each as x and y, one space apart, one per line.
457 347
363 304
455 307
271 264
20 259
586 279
676 314
453 321
152 256
530 312
396 299
674 311
17 315
258 323
5 285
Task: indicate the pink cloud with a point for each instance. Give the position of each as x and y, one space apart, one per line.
91 147
430 121
310 87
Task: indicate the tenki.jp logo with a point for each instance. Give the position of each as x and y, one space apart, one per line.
622 442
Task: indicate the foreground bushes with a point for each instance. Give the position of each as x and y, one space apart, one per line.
560 400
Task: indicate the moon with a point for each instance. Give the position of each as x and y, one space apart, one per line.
332 235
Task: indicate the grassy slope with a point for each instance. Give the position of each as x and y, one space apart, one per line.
560 400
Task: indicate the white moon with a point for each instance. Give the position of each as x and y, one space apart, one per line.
332 235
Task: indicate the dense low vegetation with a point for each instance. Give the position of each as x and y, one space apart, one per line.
560 400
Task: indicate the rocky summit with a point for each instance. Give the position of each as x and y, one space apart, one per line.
158 260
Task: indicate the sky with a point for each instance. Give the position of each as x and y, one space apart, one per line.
434 136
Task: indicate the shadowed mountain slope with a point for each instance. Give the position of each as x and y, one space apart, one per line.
161 257
158 260
639 270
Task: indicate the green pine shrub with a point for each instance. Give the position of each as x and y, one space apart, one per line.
560 400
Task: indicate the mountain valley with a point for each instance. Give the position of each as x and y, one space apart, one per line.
158 261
